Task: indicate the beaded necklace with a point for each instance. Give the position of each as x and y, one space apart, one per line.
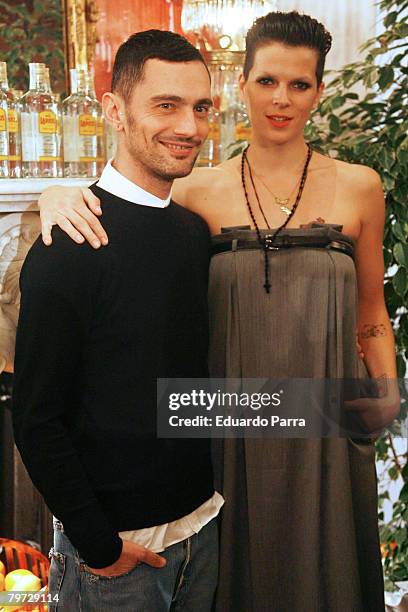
267 242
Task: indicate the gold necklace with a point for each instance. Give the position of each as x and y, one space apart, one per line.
281 202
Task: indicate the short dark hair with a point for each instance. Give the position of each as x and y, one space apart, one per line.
292 29
142 46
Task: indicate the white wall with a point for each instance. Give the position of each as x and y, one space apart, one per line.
350 22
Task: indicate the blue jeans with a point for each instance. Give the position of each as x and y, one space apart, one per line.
187 582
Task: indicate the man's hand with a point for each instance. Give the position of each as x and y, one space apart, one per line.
132 555
74 210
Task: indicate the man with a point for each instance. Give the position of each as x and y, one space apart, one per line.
96 329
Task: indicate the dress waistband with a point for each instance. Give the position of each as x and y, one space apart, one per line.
278 245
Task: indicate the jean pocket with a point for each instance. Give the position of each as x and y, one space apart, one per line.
56 576
92 577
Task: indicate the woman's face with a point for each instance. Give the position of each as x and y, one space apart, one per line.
281 92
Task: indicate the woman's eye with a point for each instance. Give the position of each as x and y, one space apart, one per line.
301 85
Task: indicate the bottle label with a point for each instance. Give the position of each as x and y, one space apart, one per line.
47 122
4 150
88 149
40 140
48 147
242 131
12 118
87 125
49 142
3 124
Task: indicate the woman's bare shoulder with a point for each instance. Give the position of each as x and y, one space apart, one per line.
203 181
358 176
361 185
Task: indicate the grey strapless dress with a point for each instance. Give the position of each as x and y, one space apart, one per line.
299 528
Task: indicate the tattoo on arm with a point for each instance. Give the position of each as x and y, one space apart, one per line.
373 331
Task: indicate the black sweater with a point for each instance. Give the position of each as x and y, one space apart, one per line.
96 329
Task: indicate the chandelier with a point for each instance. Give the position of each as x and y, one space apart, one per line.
222 24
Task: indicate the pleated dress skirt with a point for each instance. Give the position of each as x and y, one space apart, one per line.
299 530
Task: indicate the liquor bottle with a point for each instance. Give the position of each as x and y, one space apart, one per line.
57 100
100 125
41 151
4 148
79 120
210 154
235 125
13 125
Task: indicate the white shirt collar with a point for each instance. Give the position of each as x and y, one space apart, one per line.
118 185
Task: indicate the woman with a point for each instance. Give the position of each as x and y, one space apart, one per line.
299 530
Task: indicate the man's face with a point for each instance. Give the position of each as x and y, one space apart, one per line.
167 118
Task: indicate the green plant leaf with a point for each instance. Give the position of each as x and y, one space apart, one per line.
399 573
335 125
400 282
398 231
400 536
401 254
393 473
351 96
386 157
404 494
390 18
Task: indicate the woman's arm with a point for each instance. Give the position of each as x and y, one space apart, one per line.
75 210
374 326
375 331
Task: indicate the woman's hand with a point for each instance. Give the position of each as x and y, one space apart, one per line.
377 413
74 210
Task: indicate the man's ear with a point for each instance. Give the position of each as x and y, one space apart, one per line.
113 110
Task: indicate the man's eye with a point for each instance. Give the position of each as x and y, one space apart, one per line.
202 110
265 81
166 105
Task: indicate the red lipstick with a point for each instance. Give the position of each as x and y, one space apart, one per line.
279 121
